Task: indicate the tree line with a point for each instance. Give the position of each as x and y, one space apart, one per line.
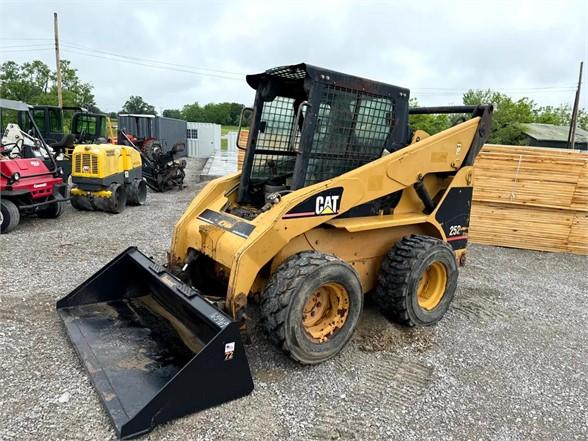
508 116
226 114
35 83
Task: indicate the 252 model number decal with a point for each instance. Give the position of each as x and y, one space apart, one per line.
455 230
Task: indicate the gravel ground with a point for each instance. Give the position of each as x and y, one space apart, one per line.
508 362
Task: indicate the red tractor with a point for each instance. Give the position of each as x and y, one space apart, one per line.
30 180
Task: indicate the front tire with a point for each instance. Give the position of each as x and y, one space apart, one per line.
311 305
10 216
417 281
54 210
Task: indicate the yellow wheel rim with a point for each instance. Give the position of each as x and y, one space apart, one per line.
432 286
326 311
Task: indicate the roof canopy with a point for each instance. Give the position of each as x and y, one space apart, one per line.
296 75
551 132
19 106
137 115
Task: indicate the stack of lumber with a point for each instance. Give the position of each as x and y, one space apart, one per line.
531 197
243 137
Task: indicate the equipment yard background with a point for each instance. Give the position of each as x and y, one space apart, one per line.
508 362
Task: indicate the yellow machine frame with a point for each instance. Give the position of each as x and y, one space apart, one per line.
102 160
274 238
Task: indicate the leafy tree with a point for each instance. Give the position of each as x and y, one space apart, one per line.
193 112
136 104
218 113
508 115
35 83
173 113
429 123
583 119
74 90
553 115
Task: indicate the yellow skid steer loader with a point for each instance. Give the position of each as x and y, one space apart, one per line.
338 197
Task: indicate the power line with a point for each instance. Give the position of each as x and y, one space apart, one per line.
88 54
24 39
237 76
188 66
503 88
23 46
26 50
492 90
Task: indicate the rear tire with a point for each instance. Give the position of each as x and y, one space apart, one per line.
311 305
417 281
54 210
9 216
118 199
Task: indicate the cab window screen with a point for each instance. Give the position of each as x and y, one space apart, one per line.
352 130
273 156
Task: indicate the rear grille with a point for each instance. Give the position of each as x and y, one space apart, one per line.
86 163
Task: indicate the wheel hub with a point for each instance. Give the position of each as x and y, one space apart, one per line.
326 311
432 286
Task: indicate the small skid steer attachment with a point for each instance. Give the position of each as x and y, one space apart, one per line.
154 348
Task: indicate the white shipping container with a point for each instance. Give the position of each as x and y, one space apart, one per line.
232 141
203 139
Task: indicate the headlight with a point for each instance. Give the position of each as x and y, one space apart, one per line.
15 176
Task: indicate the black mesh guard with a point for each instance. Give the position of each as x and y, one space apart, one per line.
352 129
346 122
273 156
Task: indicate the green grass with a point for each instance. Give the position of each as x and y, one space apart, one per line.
224 131
227 129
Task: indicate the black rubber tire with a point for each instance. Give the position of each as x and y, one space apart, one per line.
10 216
399 276
54 210
118 200
137 194
82 203
75 202
286 294
152 149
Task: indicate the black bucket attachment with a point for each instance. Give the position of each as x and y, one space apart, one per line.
154 348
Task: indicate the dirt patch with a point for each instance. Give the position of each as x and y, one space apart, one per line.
376 334
271 376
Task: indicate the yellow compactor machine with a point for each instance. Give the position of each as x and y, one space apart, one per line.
106 177
338 197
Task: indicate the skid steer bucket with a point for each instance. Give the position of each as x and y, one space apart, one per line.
154 348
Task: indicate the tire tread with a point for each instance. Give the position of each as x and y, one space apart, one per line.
392 294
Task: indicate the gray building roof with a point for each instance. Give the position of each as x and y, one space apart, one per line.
550 132
13 105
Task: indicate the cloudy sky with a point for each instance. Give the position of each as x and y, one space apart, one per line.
176 52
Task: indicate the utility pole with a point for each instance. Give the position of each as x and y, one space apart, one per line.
572 133
57 60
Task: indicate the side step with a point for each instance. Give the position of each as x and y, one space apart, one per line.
154 349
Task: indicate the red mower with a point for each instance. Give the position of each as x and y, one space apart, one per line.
30 180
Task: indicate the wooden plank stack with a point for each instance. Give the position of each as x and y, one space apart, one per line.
243 138
531 197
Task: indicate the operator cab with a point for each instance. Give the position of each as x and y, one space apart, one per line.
311 124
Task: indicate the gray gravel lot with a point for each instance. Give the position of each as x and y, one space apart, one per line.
508 362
